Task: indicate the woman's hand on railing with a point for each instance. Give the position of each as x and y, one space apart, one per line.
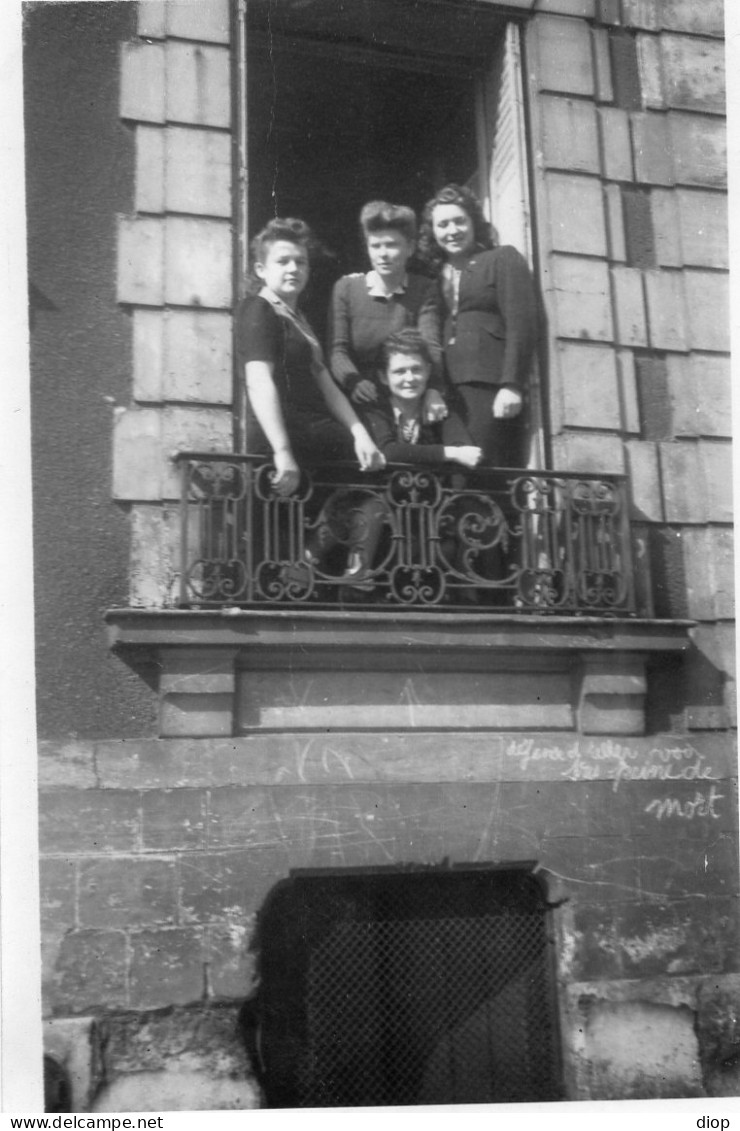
287 474
466 454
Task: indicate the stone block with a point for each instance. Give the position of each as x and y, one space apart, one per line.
699 147
582 299
644 472
611 697
666 228
716 459
151 569
197 260
710 677
137 456
616 143
649 64
629 306
694 72
615 223
576 208
148 360
141 261
702 221
186 429
70 765
708 306
609 12
198 91
73 1043
652 387
641 1050
651 145
569 135
666 307
683 482
127 892
90 820
91 972
231 967
166 968
198 178
706 18
178 1087
602 64
206 20
588 380
224 889
642 14
562 54
57 895
143 82
197 357
204 716
149 176
151 19
584 8
709 567
588 453
638 227
173 819
628 391
717 1028
699 387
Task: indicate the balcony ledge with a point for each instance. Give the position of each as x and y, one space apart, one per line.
313 628
239 671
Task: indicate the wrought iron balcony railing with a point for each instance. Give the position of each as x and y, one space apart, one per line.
496 539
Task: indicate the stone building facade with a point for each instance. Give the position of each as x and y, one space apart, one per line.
191 760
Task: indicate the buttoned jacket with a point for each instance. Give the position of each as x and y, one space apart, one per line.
492 337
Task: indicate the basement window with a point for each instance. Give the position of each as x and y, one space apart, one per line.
422 986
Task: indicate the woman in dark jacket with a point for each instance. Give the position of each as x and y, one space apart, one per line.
487 304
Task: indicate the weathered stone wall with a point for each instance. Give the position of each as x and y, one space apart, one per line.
156 857
174 270
628 147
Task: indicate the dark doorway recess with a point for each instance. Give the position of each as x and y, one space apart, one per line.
406 987
359 102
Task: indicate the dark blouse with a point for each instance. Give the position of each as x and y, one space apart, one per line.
380 422
361 322
263 335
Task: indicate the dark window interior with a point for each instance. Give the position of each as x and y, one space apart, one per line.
351 103
406 987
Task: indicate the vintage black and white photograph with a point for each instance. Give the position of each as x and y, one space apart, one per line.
380 425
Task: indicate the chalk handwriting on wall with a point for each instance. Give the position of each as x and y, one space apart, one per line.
618 762
702 805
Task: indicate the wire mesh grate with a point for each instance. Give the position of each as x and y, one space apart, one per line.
404 1010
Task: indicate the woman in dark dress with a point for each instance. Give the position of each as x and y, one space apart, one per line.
297 413
487 302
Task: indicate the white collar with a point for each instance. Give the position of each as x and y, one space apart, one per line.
376 288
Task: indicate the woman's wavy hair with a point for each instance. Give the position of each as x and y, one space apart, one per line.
379 216
429 250
280 228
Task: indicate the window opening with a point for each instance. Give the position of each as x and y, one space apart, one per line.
381 99
407 987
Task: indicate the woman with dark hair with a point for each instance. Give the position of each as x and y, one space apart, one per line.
367 308
297 412
487 301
